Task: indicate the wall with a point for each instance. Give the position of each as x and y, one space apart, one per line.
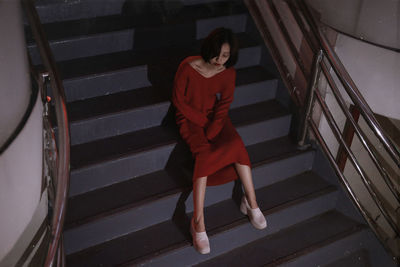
21 163
371 20
14 78
375 71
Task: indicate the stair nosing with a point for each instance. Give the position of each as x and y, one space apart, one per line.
125 154
122 111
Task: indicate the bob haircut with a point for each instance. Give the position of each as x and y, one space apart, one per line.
211 46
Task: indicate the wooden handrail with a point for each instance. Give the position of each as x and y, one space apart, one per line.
62 176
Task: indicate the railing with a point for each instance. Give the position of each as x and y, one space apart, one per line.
55 255
325 59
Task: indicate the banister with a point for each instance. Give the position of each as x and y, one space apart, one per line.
316 39
361 135
350 86
364 177
63 131
370 221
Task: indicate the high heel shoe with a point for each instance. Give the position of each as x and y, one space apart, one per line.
256 217
200 240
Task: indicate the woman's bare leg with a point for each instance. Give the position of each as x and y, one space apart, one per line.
199 191
245 176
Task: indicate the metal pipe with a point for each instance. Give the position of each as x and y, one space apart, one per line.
361 135
359 169
351 88
371 223
316 70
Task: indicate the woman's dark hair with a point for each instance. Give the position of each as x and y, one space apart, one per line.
211 46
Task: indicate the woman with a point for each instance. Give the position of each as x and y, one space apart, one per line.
203 91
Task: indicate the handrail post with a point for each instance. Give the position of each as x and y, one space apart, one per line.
316 70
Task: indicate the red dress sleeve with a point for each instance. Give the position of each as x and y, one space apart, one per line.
222 108
178 98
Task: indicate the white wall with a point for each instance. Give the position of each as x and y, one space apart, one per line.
20 180
21 162
371 20
14 78
375 71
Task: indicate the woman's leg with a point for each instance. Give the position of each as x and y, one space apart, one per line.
244 173
199 191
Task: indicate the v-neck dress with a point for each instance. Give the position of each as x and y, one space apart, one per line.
202 106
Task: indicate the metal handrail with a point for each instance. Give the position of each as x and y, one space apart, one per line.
63 163
350 86
356 164
319 44
365 110
371 222
361 135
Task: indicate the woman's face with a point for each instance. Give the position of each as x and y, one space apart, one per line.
223 56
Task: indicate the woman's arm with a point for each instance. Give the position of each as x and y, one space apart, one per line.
222 108
178 98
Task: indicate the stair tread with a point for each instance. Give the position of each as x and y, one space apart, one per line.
91 205
88 206
298 239
165 58
100 150
219 217
142 97
103 24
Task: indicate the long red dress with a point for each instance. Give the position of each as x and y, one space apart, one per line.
202 106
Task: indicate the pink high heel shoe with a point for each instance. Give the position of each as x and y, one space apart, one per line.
200 240
256 217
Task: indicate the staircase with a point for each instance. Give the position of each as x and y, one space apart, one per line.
130 198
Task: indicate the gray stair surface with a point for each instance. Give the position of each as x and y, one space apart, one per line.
127 70
305 237
221 218
123 31
114 159
266 158
130 193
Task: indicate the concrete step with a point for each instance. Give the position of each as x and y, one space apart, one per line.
291 243
123 71
268 159
60 10
107 34
105 116
51 11
224 221
107 161
356 259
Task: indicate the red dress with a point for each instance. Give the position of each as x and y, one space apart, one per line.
204 123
